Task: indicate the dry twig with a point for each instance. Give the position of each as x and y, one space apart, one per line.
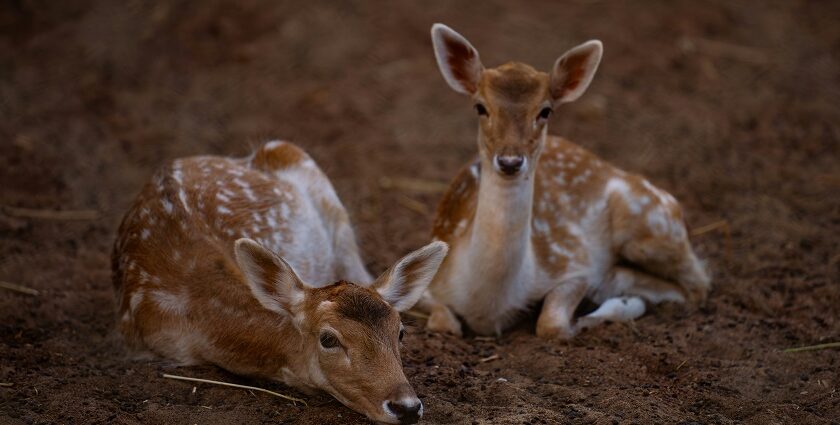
709 227
813 347
18 288
413 204
6 384
490 358
41 214
228 384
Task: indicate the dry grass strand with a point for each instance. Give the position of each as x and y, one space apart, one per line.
228 384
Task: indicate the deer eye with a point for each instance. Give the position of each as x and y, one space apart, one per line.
402 333
544 113
482 111
328 340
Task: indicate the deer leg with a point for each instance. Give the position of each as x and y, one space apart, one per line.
673 261
618 309
441 318
657 243
624 281
623 294
556 317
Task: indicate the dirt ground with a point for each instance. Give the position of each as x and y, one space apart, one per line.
734 107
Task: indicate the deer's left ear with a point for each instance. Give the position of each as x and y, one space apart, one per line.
403 284
574 70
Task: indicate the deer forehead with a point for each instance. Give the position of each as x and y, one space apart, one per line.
513 84
347 303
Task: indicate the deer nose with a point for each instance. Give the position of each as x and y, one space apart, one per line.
510 164
408 410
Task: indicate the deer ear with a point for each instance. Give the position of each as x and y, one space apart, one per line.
403 284
574 70
457 59
271 279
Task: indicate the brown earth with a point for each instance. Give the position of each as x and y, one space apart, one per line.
734 107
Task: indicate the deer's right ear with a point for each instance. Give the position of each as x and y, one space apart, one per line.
271 279
457 59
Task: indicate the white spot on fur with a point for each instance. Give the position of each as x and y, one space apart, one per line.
183 197
474 170
246 189
136 299
274 144
221 209
169 302
461 226
656 220
565 199
634 203
541 226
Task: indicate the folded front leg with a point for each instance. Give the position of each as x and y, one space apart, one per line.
441 318
557 315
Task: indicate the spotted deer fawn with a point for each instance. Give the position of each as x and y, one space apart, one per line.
236 263
537 218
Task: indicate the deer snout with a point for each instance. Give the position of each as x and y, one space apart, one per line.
510 164
404 405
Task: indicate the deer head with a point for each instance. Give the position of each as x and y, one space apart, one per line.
513 101
350 334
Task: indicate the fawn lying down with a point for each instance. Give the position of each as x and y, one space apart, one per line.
237 263
536 217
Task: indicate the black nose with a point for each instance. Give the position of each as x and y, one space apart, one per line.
407 411
510 165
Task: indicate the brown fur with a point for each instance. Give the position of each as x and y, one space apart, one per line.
279 157
513 83
364 306
182 295
458 205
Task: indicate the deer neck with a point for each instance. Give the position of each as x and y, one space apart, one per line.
502 225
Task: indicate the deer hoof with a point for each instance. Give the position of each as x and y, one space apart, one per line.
442 320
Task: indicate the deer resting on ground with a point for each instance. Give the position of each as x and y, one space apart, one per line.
238 263
538 218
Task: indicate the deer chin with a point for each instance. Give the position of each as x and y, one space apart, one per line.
373 411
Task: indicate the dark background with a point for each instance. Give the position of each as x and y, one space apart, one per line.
730 106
